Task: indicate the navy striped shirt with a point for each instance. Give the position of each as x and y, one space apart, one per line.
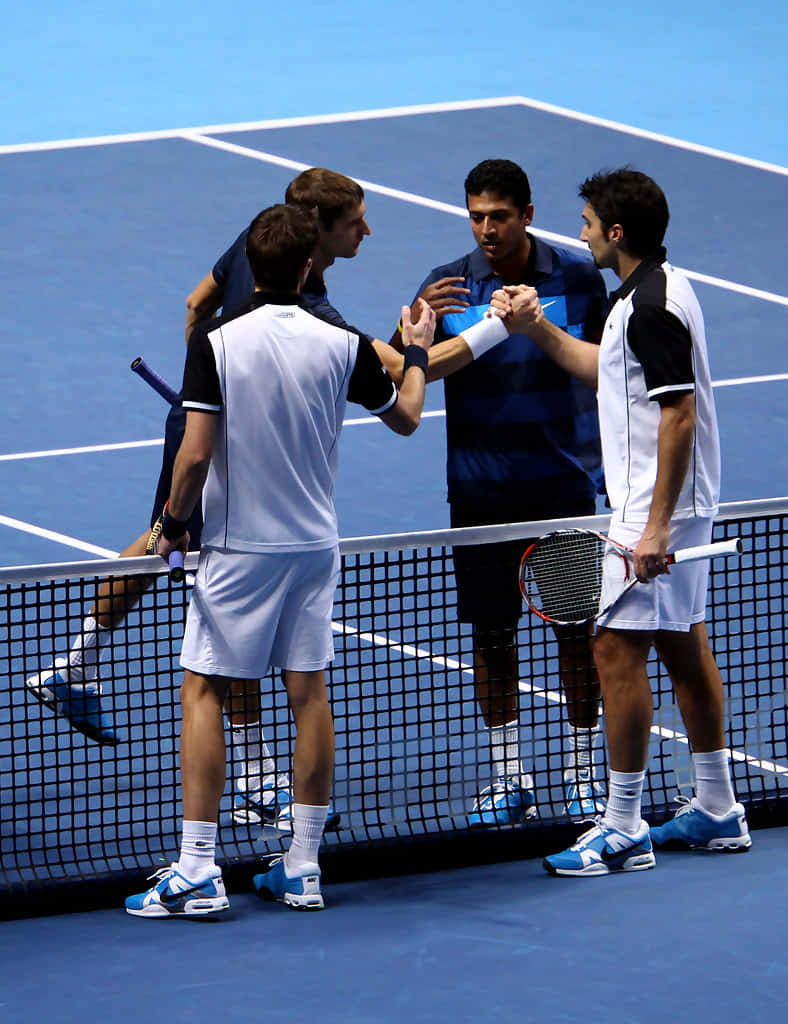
514 419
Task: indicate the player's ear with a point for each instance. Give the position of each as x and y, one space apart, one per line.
528 214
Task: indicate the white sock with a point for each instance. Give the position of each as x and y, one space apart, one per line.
85 653
251 752
308 824
198 849
579 748
505 750
713 788
623 802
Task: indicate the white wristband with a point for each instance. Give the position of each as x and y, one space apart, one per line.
485 335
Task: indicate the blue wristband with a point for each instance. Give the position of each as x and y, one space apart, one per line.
416 356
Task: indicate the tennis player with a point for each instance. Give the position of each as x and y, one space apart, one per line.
265 393
662 466
523 444
71 686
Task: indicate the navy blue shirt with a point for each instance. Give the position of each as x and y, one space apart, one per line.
515 421
234 275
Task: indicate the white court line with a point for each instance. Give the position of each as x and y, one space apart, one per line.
460 211
200 135
407 111
355 422
60 538
119 446
379 640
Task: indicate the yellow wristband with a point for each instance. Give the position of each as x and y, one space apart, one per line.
399 325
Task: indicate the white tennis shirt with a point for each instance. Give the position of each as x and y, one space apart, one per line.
279 379
653 345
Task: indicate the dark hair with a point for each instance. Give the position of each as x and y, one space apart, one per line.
503 177
330 194
633 200
280 241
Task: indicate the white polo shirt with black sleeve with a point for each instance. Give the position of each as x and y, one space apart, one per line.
279 379
653 347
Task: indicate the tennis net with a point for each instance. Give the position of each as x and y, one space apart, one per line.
81 822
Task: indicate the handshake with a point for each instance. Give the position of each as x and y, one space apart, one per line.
518 306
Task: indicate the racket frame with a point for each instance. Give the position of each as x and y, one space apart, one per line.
728 547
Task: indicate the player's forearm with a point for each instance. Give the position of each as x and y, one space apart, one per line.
674 450
410 401
446 357
203 302
576 357
188 480
192 463
393 360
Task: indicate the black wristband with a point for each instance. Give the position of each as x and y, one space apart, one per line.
416 356
172 529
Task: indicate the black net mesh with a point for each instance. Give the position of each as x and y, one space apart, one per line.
411 750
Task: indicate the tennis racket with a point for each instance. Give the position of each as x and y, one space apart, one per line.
175 560
140 367
570 577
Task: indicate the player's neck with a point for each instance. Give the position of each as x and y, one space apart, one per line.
321 261
627 263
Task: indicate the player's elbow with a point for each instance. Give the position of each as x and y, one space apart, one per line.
402 421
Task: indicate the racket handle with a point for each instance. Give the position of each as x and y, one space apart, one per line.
141 368
724 547
177 572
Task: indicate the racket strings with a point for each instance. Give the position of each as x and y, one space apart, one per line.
562 575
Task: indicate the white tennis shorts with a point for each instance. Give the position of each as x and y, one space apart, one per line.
674 601
252 611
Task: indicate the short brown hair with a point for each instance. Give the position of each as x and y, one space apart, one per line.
331 194
280 241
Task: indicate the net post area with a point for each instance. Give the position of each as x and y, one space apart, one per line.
90 783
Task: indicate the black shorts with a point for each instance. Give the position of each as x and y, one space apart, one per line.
173 435
488 589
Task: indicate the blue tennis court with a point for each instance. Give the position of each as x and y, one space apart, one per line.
106 236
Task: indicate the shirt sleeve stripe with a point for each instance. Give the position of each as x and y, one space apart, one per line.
689 386
201 406
388 405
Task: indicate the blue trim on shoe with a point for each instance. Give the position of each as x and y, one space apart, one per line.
81 709
186 899
584 796
301 892
505 802
694 828
272 805
604 850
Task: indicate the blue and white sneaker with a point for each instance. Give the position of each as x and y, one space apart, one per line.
82 708
584 796
272 804
301 892
261 806
177 896
603 850
695 829
505 802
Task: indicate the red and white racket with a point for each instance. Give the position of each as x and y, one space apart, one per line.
562 573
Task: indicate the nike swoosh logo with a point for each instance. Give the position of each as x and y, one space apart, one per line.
614 857
546 305
170 899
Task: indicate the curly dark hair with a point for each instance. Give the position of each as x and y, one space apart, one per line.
633 200
503 177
